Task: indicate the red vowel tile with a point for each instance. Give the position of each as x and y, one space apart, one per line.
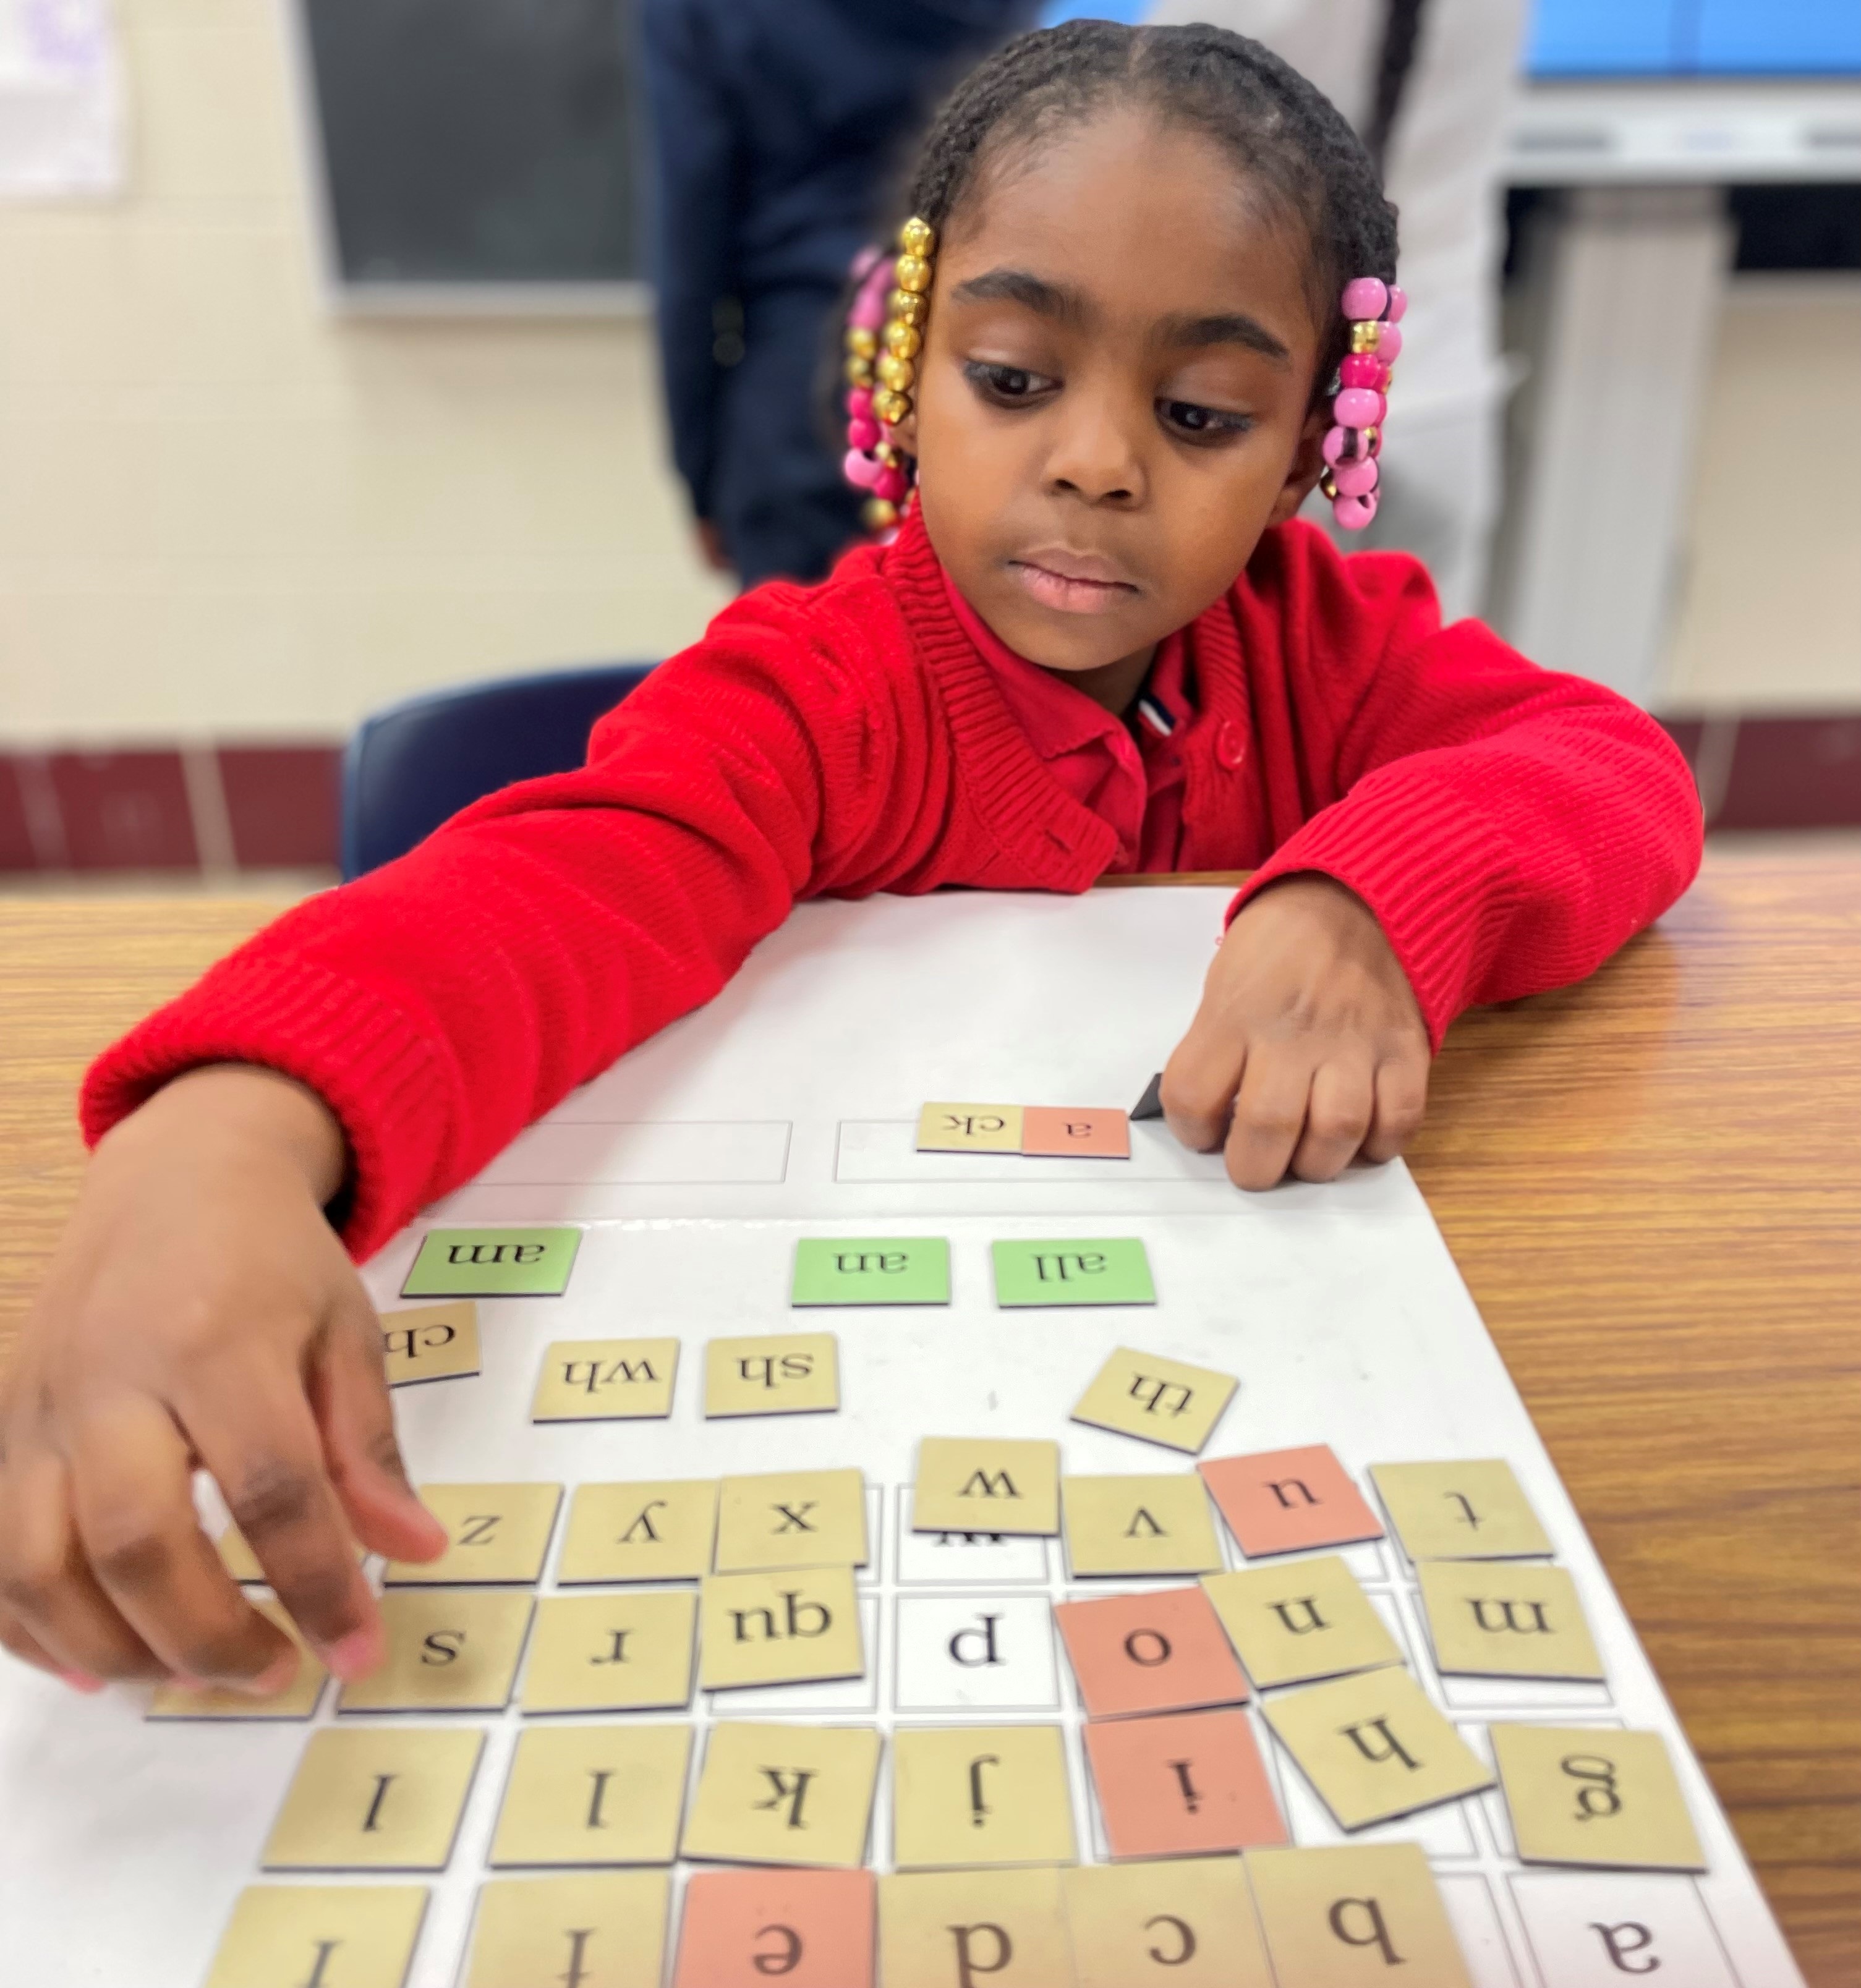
1287 1500
1794 772
808 1928
16 849
124 810
1183 1786
282 804
1165 1652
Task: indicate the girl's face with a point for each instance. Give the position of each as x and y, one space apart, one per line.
1114 400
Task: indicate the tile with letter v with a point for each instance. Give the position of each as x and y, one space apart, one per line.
1139 1526
606 1931
293 1932
1187 1920
810 1929
1367 1913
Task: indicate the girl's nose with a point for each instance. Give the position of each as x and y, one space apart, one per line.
1093 456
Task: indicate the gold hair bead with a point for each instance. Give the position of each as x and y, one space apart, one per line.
907 307
912 272
863 340
898 374
1366 336
890 408
858 371
878 514
917 238
902 339
1328 483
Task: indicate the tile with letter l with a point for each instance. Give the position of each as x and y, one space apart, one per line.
1488 1618
980 1795
811 1928
1139 1526
1162 1652
297 1700
606 1381
1189 1921
449 1649
970 1128
986 1485
627 1651
375 1798
1073 1271
975 1653
661 1530
1289 1500
496 1534
794 1628
1301 1621
871 1270
784 1794
973 1929
601 1931
492 1263
778 1518
1608 1800
1476 1510
1333 1917
1187 1784
587 1795
429 1343
1599 1928
1160 1400
775 1374
345 1935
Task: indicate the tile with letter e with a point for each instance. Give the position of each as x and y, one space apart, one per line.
604 1931
791 1518
1072 1271
871 1270
1058 1132
1372 1746
606 1381
297 1700
1460 1511
1610 1799
1299 1622
592 1795
375 1798
1289 1501
979 1794
1160 1401
1139 1526
492 1263
1189 1922
775 1374
786 1793
973 1929
983 1484
812 1928
499 1535
795 1627
628 1651
338 1936
970 1128
1522 1620
429 1343
1186 1784
449 1649
1163 1651
1599 1929
661 1530
975 1653
1356 1913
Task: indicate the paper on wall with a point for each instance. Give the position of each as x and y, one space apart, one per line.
62 110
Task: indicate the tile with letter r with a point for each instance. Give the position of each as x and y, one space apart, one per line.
1157 1400
1356 1913
589 1795
871 1270
492 1263
784 1793
627 1650
437 1342
606 1930
1188 1783
296 1933
1073 1271
810 1929
1189 1921
973 1929
1162 1651
1289 1500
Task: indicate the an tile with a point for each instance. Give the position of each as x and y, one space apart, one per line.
787 1793
1161 1401
806 1929
661 1530
605 1931
1301 1621
499 1535
967 1559
1599 1929
1186 1784
606 1381
1139 1526
1460 1510
1289 1500
589 1795
970 1128
375 1798
778 1628
980 1795
1518 1620
283 804
1162 1651
975 1653
774 1373
988 1484
449 1649
630 1650
1610 1801
790 1518
438 1342
1189 1923
1058 1132
124 810
492 1263
337 1935
973 1929
1335 1918
298 1699
871 1270
1072 1271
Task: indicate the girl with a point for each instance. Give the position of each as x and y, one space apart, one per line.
1145 270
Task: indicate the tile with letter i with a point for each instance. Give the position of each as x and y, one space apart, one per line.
973 1929
1289 1501
605 1379
593 1795
1372 1912
1188 1784
492 1263
1189 1921
810 1929
980 1795
335 1936
375 1798
660 1530
784 1794
498 1536
970 1128
1164 1651
607 1931
1590 1796
1160 1400
1139 1526
449 1649
1301 1622
429 1343
625 1651
871 1270
1073 1271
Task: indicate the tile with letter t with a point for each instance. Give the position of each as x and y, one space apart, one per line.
1072 1271
975 1653
790 1518
1139 1526
1520 1620
1355 1914
449 1649
1289 1501
1599 1929
980 1795
794 1628
375 1798
602 1932
429 1343
970 1128
339 1936
986 1485
775 1374
625 1651
297 1700
1160 1400
784 1794
492 1263
606 1381
810 1929
1186 1784
593 1795
871 1270
1301 1621
1474 1510
1189 1921
973 1929
498 1534
663 1530
1162 1652
1608 1800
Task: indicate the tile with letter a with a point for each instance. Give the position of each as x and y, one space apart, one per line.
497 1534
492 1263
1058 1132
1189 1922
973 1929
980 1795
796 1627
776 1374
606 1381
1187 1784
604 1931
791 1518
593 1795
784 1794
1591 1796
982 1484
377 1798
663 1531
337 1936
429 1343
1289 1501
810 1929
449 1649
1373 1746
1139 1526
1301 1622
1160 1401
1601 1929
627 1651
1487 1619
1363 1913
297 1700
871 1270
975 1653
970 1128
1072 1271
1460 1511
1163 1651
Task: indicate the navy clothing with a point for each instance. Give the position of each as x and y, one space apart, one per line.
781 131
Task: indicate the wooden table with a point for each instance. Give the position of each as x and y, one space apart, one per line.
1651 1183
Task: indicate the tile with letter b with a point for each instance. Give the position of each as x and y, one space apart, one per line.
1162 1651
774 1373
591 1795
1358 1913
429 1343
791 1518
1487 1618
1189 1922
492 1263
980 1795
603 1931
337 1936
449 1649
1289 1501
662 1530
871 1270
1160 1400
985 1484
297 1700
1139 1526
497 1534
973 1929
628 1651
1072 1271
375 1798
970 1128
1186 1784
784 1794
1301 1622
1460 1511
606 1381
810 1929
796 1628
1059 1132
1373 1746
1589 1796
1601 1929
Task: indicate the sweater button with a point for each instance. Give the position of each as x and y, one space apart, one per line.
1230 745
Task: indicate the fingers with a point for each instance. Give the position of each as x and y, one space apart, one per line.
1337 1113
1199 1083
1401 1100
1269 1118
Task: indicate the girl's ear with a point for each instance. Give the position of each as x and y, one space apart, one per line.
1307 462
905 434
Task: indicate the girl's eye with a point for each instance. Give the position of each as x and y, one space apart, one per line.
1006 386
1200 423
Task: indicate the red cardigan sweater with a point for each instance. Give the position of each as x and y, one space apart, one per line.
1509 828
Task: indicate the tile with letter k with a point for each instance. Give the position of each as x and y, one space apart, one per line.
806 1929
1187 1784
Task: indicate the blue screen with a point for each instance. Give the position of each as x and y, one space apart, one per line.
1695 38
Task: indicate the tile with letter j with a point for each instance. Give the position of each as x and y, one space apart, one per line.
871 1270
493 1263
1072 1272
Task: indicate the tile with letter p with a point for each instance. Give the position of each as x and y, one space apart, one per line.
604 1931
810 1929
1355 1914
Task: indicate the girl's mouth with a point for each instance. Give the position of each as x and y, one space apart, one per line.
1072 584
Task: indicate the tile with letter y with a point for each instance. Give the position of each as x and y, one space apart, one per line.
661 1530
1160 1400
1186 1784
784 1794
1586 1795
626 1651
1301 1622
300 1932
1072 1271
1189 1921
492 1263
496 1534
1357 1913
973 1929
449 1649
1517 1619
604 1931
1280 1501
810 1929
980 1795
591 1795
871 1270
375 1798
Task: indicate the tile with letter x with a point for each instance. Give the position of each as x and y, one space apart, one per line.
1289 1501
294 1932
1517 1619
973 1929
496 1533
1072 1271
871 1270
791 1628
624 1651
492 1263
606 1381
777 1374
1302 1620
1590 1796
1369 1912
429 1343
1160 1400
1188 1783
810 1928
980 1795
784 1794
607 1931
1189 1921
592 1795
375 1798
449 1649
986 1485
791 1518
1163 1651
663 1530
1139 1526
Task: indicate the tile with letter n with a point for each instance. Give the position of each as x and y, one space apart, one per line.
1073 1271
871 1270
292 1932
601 1931
812 1928
493 1263
1357 1912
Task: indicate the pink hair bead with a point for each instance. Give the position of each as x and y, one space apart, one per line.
868 311
1364 297
859 403
1338 446
1353 513
1398 303
863 432
863 471
1357 407
1389 342
891 484
1361 369
1356 479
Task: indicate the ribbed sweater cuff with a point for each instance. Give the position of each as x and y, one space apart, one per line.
359 1052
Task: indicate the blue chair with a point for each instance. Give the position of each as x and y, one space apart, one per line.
416 764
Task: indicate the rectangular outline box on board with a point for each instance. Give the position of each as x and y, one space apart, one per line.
700 1152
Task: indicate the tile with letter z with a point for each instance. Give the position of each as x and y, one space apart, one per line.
606 1381
497 1534
1160 1401
375 1798
663 1530
810 1928
602 1932
338 1936
590 1795
1356 1913
784 1794
871 1270
1189 1921
980 1795
492 1263
973 1929
1590 1796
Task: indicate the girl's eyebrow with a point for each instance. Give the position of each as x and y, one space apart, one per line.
1022 286
1222 328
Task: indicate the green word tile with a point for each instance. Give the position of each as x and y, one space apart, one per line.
1072 1272
493 1263
871 1270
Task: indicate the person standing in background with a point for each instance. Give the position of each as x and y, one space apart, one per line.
778 126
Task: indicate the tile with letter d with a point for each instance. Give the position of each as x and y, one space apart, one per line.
1489 1618
492 1263
794 1628
592 1795
1072 1271
1160 1401
375 1798
1289 1501
1599 1929
449 1649
1189 1921
606 1381
1162 1651
871 1270
980 1795
1352 1914
599 1931
1139 1526
777 1374
1186 1784
627 1651
1474 1510
660 1530
429 1343
497 1533
986 1485
973 1929
784 1794
351 1936
1608 1800
1301 1621
810 1929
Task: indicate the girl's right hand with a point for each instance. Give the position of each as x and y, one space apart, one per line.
201 1313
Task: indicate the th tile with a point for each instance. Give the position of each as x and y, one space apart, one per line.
598 1932
1139 1526
871 1270
429 1343
492 1263
287 1932
784 1794
1162 1651
1187 1784
496 1534
1159 1401
375 1798
1289 1501
593 1795
605 1379
1072 1271
662 1530
986 1485
808 1928
1301 1622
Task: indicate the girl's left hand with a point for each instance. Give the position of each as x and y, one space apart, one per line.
1308 1049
